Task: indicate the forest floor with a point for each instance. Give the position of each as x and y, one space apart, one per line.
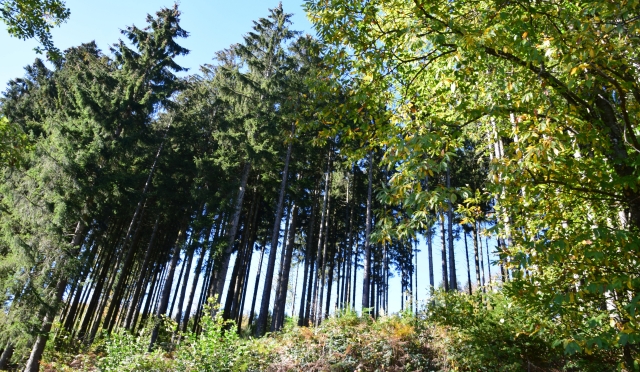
455 333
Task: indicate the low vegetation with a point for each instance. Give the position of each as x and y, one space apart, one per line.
454 332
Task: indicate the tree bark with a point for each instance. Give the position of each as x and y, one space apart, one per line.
5 358
466 250
141 276
443 253
273 250
286 268
453 280
319 263
255 289
367 244
231 233
166 291
33 363
476 254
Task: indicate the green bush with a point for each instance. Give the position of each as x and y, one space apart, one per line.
486 332
217 348
126 352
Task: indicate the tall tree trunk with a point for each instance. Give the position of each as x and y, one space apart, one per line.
355 274
255 289
141 276
233 289
303 295
166 291
306 277
5 358
266 293
466 250
325 245
286 268
415 269
331 248
476 254
33 363
367 243
453 280
278 279
124 272
486 240
443 253
481 254
194 284
231 233
71 315
319 263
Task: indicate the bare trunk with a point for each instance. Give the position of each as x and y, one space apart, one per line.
5 358
481 253
367 244
286 268
476 254
466 250
266 293
166 291
231 233
33 363
453 280
141 276
319 263
255 290
443 254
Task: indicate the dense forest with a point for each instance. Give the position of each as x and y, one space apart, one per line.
136 199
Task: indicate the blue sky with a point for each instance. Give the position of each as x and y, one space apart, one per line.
213 25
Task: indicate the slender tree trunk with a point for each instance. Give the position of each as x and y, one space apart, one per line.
503 273
307 279
325 245
321 238
303 295
194 285
453 280
143 273
481 254
443 253
331 247
231 233
232 289
466 250
367 244
286 269
266 293
90 312
278 279
255 289
5 358
486 240
166 291
33 363
415 268
355 274
476 254
295 290
159 271
71 315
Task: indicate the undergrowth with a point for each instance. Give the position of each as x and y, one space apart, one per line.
453 332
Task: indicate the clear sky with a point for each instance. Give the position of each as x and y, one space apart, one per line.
213 25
